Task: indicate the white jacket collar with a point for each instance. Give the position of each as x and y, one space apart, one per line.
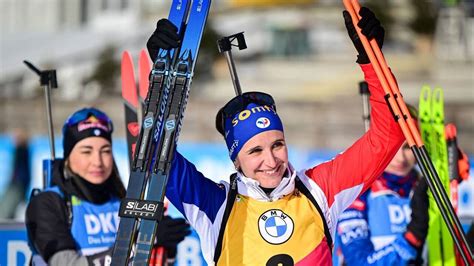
251 187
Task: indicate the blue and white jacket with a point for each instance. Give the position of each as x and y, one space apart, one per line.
371 231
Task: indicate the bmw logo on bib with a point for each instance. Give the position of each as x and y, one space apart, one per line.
275 226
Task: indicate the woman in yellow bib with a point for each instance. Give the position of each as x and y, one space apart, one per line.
270 213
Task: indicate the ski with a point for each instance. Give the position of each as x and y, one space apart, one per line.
156 97
134 113
158 254
458 167
144 69
179 85
130 102
134 104
431 109
453 167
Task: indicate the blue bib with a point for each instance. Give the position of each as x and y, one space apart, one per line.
94 226
388 215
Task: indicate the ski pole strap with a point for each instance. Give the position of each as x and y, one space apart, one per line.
303 189
228 208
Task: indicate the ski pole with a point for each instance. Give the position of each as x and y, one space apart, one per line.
403 118
433 176
225 46
364 92
48 81
453 155
144 69
428 170
455 175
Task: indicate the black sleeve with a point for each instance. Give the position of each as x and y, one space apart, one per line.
47 224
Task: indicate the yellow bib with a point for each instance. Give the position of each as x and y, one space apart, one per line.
284 231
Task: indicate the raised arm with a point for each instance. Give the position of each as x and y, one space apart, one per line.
195 196
354 170
342 179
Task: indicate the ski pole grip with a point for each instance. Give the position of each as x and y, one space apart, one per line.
51 77
241 41
225 44
364 88
47 77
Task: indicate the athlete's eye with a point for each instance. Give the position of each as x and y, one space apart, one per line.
278 144
255 150
106 150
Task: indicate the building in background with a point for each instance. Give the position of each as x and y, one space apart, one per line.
299 52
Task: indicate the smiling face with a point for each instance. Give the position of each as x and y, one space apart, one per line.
402 163
91 159
264 158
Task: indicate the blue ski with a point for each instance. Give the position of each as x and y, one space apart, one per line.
179 84
144 148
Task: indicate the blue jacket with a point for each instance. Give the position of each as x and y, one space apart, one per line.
371 231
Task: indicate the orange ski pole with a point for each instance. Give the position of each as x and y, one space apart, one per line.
408 127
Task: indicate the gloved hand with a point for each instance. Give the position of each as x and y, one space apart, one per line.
103 258
165 37
371 28
171 232
417 229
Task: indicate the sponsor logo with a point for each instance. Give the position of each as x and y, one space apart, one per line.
148 122
101 223
262 122
275 226
348 214
170 124
140 209
353 230
199 7
400 216
92 122
163 103
234 146
133 128
97 132
247 113
379 254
